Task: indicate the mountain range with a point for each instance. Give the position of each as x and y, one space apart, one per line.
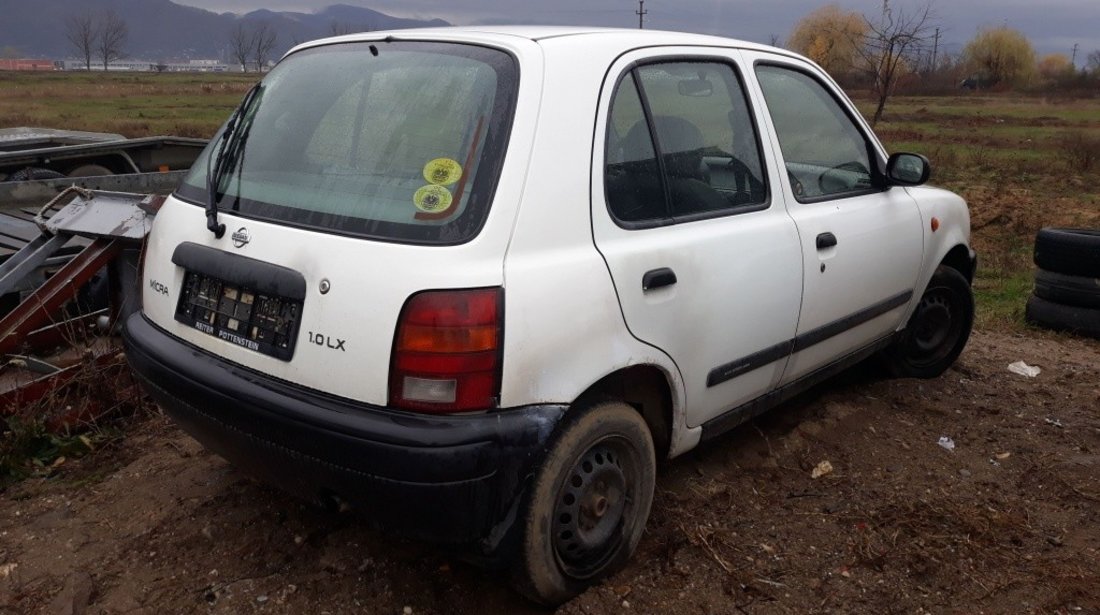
164 30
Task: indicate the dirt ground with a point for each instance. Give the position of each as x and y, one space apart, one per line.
1009 521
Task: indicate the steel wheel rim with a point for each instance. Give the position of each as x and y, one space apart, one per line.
935 327
594 507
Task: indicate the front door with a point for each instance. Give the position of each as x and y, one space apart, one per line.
705 260
861 243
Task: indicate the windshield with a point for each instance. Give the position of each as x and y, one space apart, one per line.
399 141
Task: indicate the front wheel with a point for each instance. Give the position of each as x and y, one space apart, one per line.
938 329
589 504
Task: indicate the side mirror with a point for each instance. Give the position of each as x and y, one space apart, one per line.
907 169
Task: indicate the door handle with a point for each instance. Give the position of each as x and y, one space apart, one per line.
657 278
826 240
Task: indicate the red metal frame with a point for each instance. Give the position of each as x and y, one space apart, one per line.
40 306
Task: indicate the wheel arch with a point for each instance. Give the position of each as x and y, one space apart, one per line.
959 259
646 388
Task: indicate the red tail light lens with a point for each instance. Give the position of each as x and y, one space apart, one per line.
446 351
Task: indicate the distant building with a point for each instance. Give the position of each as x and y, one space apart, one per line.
27 64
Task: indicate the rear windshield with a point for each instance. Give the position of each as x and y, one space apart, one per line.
401 141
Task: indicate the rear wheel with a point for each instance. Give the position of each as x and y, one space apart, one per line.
589 504
938 329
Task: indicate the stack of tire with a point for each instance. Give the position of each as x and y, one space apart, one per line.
1067 283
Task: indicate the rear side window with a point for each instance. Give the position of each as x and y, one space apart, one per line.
681 142
398 141
635 188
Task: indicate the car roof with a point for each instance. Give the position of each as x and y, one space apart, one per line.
629 38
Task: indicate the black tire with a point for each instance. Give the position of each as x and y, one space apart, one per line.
1071 251
1072 290
589 503
30 174
95 295
937 331
1079 320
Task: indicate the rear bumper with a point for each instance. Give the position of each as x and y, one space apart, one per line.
453 479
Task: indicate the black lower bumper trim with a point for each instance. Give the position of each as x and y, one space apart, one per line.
453 479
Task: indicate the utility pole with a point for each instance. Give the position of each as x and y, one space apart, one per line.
935 49
1074 60
641 13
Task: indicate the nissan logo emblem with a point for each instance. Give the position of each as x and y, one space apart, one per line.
241 237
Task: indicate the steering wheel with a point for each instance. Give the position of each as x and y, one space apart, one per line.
748 189
840 178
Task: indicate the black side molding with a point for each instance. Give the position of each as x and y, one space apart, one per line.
824 332
736 416
747 364
759 359
262 277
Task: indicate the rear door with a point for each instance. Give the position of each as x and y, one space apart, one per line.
704 258
862 244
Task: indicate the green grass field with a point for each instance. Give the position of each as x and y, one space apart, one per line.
1019 161
131 104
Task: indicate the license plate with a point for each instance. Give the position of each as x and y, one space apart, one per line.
239 315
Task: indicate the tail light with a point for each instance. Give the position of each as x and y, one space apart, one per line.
447 351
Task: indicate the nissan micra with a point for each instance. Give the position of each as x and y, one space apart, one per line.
476 282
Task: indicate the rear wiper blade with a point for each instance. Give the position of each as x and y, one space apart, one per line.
214 172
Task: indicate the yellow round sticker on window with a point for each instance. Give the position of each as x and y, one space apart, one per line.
442 171
432 199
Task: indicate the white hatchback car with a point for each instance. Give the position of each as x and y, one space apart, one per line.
476 281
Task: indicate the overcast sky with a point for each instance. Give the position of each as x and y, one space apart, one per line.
1052 25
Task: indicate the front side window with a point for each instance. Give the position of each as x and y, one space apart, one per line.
825 152
681 142
399 141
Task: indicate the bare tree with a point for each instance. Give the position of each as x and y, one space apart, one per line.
892 44
81 31
1092 64
240 44
263 41
113 32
